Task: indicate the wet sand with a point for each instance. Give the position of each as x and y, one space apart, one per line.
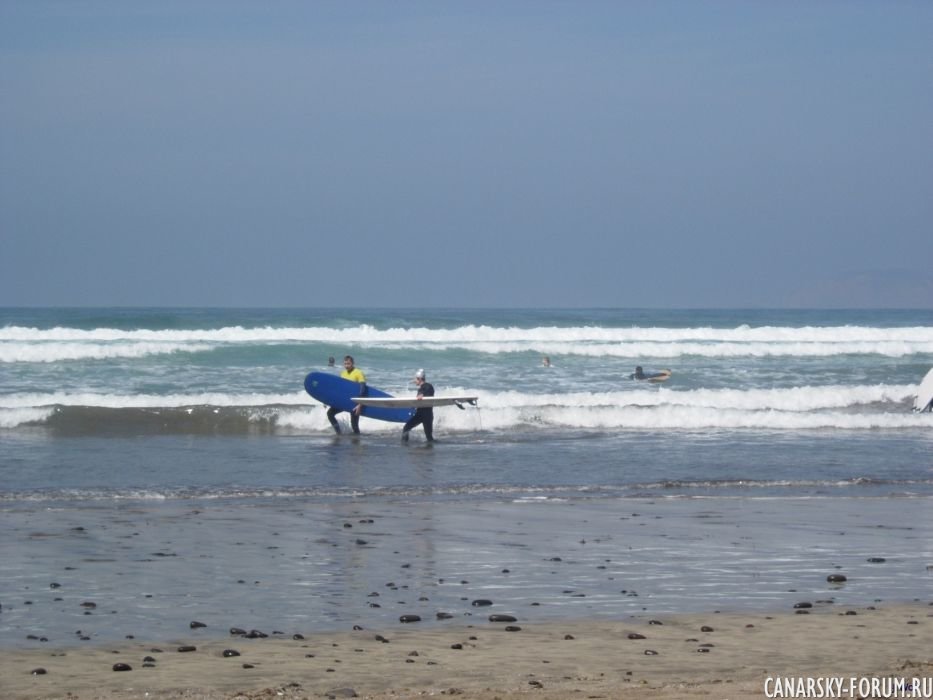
721 655
834 587
148 570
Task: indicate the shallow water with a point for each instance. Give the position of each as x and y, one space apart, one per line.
289 566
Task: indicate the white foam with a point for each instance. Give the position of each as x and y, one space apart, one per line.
15 417
24 400
797 408
24 344
69 351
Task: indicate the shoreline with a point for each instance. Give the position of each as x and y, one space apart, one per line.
728 654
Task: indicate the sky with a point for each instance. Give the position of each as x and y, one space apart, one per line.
448 153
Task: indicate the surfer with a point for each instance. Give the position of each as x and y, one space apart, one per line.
661 376
424 416
354 374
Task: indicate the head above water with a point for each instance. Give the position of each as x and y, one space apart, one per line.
419 375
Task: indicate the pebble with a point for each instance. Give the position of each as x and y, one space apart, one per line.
230 653
410 618
195 624
187 648
38 672
502 618
481 602
836 578
122 667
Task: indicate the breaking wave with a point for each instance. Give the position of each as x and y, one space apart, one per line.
864 407
27 344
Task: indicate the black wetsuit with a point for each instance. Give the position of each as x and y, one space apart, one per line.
423 416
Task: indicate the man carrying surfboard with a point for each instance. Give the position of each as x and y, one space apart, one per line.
424 415
354 374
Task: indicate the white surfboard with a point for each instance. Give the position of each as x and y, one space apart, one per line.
924 400
415 402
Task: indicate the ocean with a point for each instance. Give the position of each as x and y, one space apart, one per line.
158 466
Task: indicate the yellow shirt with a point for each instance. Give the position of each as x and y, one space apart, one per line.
354 375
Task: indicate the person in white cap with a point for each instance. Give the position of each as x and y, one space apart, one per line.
423 416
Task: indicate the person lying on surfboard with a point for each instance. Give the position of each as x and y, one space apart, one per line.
654 377
354 374
424 415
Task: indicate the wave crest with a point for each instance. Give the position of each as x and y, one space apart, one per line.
866 407
26 344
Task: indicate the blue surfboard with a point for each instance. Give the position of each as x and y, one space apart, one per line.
332 390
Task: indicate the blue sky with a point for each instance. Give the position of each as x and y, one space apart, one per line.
620 154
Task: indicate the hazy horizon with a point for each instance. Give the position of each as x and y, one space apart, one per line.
477 155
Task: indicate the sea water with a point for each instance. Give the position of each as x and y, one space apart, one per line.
169 462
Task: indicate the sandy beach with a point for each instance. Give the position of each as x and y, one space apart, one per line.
723 655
